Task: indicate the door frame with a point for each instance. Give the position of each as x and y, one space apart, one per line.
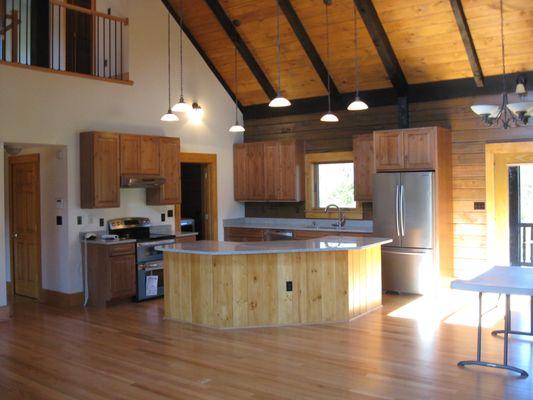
209 188
35 158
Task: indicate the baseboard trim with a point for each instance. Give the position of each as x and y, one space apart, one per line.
5 313
60 299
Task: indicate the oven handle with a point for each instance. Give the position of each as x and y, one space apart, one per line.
150 267
154 244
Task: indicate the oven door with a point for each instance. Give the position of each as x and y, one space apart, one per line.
150 283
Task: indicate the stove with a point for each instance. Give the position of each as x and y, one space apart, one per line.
149 261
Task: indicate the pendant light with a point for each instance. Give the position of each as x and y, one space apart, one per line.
279 100
237 128
169 117
181 106
329 116
505 114
357 104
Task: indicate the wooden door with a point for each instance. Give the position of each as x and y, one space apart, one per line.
419 148
25 226
388 150
121 278
79 38
272 165
130 150
106 170
170 168
149 155
240 188
363 161
255 170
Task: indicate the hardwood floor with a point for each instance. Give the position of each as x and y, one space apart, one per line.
128 352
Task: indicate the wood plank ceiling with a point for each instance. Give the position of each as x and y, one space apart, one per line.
424 35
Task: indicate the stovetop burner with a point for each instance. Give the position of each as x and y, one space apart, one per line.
135 228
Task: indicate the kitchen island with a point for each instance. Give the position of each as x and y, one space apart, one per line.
237 285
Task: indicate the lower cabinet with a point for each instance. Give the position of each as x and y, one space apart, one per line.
111 272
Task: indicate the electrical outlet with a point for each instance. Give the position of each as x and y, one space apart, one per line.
288 286
59 220
170 213
479 205
163 217
79 220
102 222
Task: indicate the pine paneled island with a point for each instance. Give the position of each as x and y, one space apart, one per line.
238 285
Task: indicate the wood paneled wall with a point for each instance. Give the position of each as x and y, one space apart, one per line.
469 137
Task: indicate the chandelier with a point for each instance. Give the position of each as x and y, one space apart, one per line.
506 114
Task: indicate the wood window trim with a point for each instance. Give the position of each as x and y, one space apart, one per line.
311 159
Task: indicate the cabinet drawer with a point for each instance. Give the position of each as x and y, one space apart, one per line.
121 249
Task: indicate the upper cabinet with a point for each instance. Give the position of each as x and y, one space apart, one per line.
99 170
363 161
269 171
170 168
139 155
406 149
106 156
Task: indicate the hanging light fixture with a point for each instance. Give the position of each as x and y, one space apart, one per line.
181 106
357 104
329 116
507 114
279 100
169 117
238 128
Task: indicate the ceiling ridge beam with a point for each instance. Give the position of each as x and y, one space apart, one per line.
384 48
468 42
243 49
308 46
201 51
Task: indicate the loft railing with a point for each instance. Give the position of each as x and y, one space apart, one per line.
526 244
59 36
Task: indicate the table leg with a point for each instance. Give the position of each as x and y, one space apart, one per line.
507 324
530 333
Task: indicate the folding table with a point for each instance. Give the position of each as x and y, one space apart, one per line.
501 280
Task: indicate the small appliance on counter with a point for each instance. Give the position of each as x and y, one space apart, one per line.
187 225
149 261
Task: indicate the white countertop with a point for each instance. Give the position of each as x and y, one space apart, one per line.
505 280
328 243
300 224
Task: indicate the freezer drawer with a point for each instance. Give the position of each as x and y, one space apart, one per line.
408 270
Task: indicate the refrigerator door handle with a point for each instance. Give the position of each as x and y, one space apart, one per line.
402 210
397 210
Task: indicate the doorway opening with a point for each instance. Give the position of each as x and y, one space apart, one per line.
521 214
198 209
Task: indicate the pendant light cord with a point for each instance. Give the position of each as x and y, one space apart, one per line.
328 55
168 57
236 83
181 49
278 46
356 34
503 48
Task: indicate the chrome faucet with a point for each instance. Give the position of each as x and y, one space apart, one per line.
341 219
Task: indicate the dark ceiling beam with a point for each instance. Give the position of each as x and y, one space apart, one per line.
381 41
468 42
200 51
243 49
421 92
307 44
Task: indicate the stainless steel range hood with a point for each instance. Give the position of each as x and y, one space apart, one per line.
141 181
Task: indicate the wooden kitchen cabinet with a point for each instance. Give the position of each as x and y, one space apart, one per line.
139 155
363 161
269 171
407 149
243 234
111 272
99 170
170 168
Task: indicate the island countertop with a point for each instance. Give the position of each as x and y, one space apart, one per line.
327 243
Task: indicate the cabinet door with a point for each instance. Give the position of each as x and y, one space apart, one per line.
121 276
129 154
363 161
290 171
106 170
170 168
273 172
149 155
255 171
240 191
389 150
419 148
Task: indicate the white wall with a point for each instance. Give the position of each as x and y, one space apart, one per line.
38 107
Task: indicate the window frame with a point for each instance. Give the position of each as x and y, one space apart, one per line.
311 161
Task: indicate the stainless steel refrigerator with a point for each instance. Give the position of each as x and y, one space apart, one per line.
404 210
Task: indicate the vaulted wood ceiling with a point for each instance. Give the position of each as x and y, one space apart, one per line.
424 36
